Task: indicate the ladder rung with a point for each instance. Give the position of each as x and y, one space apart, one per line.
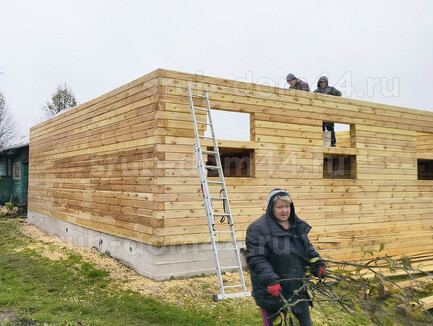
226 249
233 286
200 109
198 95
219 214
209 152
203 123
208 137
231 295
215 182
222 232
230 267
211 167
218 198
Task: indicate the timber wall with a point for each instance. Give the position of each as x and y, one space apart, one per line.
124 164
94 165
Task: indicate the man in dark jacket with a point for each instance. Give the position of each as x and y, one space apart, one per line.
278 250
324 88
296 83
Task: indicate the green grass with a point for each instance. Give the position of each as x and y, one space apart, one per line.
35 290
71 292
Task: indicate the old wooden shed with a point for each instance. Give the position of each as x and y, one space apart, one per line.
118 173
14 167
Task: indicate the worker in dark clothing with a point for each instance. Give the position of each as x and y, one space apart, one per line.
324 88
296 83
278 251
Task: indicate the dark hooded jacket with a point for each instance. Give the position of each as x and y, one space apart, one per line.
328 90
276 255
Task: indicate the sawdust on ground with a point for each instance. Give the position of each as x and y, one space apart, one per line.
197 290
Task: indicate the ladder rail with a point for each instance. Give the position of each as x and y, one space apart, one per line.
207 198
209 212
227 202
219 166
206 195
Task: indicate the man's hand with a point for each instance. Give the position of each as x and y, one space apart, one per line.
274 289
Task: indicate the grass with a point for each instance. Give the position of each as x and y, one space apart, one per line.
35 290
40 291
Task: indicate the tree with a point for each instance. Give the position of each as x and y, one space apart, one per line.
8 129
62 99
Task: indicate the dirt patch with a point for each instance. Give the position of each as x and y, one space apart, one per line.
198 291
7 315
44 251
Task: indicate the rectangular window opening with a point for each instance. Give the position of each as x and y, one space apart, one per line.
425 169
236 162
230 125
338 134
339 166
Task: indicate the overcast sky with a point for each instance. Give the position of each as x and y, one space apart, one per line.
379 51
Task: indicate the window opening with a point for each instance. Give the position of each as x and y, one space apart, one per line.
425 169
230 125
236 162
337 134
16 171
339 166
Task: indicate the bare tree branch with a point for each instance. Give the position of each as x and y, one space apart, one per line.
370 289
8 127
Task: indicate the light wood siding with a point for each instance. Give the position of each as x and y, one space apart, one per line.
425 142
343 138
94 165
160 203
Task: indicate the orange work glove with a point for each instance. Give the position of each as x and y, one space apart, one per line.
274 289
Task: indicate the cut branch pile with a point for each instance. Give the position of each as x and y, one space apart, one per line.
385 290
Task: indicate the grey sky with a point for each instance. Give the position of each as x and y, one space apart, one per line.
377 51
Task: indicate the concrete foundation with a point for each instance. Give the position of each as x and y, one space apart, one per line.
157 263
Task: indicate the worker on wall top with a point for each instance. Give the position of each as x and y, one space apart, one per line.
296 83
324 88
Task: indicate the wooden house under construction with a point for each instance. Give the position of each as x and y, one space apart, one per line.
118 173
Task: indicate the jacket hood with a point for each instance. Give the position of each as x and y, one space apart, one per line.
323 78
270 205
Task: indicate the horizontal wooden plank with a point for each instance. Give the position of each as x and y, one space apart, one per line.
278 126
424 156
259 132
340 150
427 302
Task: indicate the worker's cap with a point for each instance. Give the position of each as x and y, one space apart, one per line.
290 77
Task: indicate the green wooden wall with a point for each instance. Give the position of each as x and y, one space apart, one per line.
9 188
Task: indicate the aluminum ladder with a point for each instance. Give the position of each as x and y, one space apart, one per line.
214 196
